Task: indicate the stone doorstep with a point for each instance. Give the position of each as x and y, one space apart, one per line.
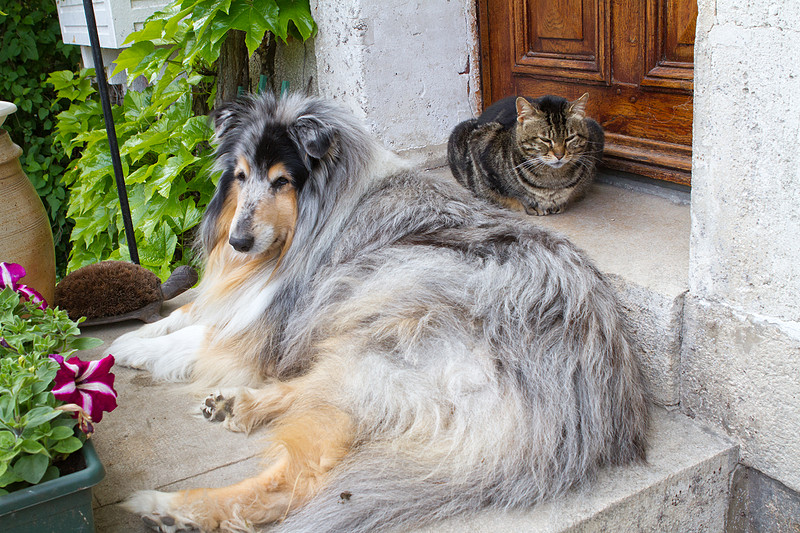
683 486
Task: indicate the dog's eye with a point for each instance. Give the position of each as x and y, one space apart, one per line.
239 175
280 182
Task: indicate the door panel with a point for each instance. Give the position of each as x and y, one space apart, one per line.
560 39
633 57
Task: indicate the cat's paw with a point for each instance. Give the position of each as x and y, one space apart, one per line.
539 211
535 210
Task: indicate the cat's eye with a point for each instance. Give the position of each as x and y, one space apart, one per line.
571 138
546 141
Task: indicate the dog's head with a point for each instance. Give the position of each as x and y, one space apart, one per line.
266 152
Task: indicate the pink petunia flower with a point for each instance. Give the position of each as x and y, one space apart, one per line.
32 295
88 384
10 274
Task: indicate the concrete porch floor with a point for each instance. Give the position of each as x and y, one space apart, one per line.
157 439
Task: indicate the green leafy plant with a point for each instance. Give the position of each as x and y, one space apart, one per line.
162 152
30 48
164 142
37 428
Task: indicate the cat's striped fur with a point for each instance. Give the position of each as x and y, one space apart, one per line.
532 155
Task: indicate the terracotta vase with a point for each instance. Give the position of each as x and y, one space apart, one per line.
25 234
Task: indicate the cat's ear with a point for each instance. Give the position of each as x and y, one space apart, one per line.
525 110
578 107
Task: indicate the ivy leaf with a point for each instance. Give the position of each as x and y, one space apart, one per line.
137 54
151 31
61 79
255 21
195 131
298 12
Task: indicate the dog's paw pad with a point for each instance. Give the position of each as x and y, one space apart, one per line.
167 523
217 407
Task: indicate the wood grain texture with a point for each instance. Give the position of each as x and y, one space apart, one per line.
633 57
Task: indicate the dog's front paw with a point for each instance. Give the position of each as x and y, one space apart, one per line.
158 512
218 407
126 350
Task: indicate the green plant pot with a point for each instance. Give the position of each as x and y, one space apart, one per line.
62 505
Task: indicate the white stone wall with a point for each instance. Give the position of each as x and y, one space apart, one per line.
741 346
746 175
401 66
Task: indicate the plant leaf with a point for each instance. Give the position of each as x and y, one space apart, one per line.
31 468
68 445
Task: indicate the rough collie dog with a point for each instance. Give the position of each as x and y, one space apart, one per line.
416 352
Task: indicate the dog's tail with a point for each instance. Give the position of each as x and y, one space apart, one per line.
380 489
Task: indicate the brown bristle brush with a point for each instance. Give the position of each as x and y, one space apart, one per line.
113 291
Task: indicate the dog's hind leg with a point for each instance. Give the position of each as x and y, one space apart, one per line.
245 409
308 443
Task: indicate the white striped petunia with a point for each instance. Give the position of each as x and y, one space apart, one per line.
32 295
10 274
88 384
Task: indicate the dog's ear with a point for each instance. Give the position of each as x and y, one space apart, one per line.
225 118
312 136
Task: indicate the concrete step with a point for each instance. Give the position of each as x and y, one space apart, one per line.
638 235
683 487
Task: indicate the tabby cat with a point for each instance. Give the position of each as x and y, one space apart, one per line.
536 155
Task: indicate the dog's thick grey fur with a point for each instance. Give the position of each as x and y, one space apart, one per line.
513 377
484 361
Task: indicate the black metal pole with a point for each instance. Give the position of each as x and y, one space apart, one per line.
122 192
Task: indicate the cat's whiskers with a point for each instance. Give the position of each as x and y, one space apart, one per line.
532 163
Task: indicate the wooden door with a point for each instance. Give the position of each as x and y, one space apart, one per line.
633 57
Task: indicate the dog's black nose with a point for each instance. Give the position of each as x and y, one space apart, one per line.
242 244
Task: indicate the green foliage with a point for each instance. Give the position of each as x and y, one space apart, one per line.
164 145
33 432
162 153
30 47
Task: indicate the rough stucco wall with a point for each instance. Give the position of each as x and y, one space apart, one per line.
742 374
401 66
746 171
740 359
